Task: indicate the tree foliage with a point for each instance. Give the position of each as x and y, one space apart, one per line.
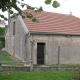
7 5
2 31
2 38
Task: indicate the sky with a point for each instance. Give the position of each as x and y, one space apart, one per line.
66 6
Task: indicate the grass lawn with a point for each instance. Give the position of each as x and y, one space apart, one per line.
6 57
47 75
43 75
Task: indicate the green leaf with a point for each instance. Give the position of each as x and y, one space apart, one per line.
41 8
55 4
10 11
23 16
34 19
5 19
29 7
17 8
0 46
22 5
20 12
37 10
14 1
2 39
48 1
29 15
14 16
2 16
4 9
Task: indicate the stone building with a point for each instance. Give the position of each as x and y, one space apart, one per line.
41 41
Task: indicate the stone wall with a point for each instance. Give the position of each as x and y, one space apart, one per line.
69 48
13 42
13 68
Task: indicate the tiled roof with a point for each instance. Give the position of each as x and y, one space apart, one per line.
53 23
2 22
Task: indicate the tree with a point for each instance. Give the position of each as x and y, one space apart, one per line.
7 5
2 38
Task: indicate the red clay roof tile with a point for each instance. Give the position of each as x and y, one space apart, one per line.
53 23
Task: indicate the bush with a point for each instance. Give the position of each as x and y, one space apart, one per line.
2 38
2 30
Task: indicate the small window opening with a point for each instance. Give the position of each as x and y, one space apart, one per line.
13 28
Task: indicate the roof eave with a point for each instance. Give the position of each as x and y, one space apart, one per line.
55 33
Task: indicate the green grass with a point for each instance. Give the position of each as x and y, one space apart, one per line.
66 65
6 56
48 75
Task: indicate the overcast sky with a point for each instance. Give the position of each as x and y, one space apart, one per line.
66 6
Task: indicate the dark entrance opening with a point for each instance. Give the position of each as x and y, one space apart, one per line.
40 53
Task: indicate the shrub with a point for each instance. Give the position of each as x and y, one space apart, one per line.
2 38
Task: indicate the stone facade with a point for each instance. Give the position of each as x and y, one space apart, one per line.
69 48
16 45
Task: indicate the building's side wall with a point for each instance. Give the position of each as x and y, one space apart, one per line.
69 48
15 44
